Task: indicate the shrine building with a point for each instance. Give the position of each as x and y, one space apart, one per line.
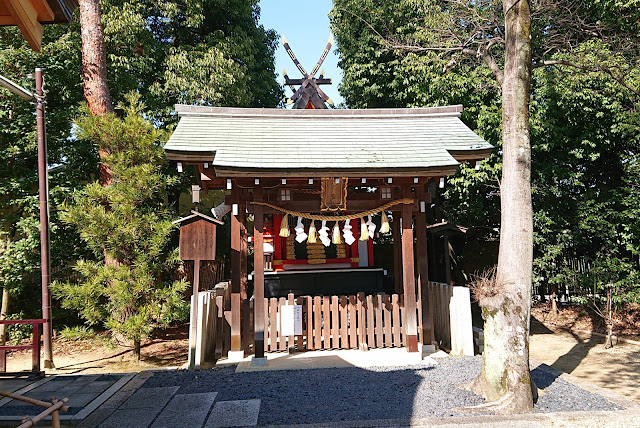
321 184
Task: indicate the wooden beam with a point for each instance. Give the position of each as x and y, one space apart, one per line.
45 13
447 258
26 18
258 275
423 269
242 216
314 206
397 253
236 269
408 275
298 82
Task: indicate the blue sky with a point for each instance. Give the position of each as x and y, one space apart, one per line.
306 27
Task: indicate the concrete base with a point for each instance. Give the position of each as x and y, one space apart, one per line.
235 357
258 362
427 349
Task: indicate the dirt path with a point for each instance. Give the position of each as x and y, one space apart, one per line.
96 356
583 355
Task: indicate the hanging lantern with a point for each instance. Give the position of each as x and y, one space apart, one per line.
336 238
347 234
300 235
284 226
313 235
371 226
364 231
384 227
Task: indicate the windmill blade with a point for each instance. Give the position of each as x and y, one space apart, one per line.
323 56
293 57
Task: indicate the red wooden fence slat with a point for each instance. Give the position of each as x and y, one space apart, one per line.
317 323
335 321
309 315
370 332
353 333
326 322
344 308
395 306
386 319
362 338
378 313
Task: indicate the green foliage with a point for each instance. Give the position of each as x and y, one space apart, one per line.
585 124
209 52
77 332
129 221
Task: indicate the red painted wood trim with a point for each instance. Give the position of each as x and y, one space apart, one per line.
306 261
277 240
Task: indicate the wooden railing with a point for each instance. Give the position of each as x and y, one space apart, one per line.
339 322
349 322
35 346
53 408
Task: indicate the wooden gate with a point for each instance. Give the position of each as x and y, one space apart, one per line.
339 322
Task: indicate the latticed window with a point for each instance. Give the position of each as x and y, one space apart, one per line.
385 192
285 195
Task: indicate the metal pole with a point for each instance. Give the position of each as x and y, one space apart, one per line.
43 190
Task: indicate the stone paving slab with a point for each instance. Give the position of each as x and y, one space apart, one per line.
131 418
237 413
150 398
186 410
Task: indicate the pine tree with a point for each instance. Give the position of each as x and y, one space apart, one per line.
128 220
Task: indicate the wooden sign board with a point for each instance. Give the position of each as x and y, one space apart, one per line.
198 237
333 194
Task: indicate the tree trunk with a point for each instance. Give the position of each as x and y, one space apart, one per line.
505 378
94 69
554 301
3 315
136 349
609 342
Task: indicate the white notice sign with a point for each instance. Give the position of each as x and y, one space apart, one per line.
290 320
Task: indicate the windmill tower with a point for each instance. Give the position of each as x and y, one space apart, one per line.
306 91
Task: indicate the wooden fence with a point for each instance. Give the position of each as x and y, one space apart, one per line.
347 322
339 322
452 317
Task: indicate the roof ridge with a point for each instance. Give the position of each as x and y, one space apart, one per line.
189 110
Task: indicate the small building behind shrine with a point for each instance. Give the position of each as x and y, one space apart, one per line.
321 184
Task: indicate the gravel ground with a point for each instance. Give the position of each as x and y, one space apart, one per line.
339 394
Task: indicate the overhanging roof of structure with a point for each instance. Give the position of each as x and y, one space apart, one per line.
265 142
29 15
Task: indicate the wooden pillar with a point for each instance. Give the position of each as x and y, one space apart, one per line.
447 258
408 275
244 246
193 323
236 269
423 268
258 274
397 252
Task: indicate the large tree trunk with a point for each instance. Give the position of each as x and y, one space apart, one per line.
94 68
505 378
